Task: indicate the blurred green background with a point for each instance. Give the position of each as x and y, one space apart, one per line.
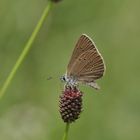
29 109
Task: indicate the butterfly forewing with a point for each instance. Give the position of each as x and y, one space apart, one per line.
86 63
79 64
83 44
94 69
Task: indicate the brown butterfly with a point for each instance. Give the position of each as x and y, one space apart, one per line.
86 64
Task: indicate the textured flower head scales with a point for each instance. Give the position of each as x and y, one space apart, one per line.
70 104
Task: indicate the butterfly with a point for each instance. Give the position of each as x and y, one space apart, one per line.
86 64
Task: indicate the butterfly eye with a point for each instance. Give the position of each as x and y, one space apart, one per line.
62 78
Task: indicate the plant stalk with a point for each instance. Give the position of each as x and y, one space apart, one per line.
26 49
65 136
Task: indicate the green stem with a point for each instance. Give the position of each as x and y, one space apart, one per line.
26 49
65 136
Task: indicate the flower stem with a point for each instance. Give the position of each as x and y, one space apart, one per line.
65 136
26 49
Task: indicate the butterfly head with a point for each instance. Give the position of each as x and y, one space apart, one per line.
70 81
63 78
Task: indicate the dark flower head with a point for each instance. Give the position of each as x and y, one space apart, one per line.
70 104
55 0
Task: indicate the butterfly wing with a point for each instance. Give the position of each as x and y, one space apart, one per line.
95 68
87 64
83 44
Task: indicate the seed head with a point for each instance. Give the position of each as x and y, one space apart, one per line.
70 104
55 0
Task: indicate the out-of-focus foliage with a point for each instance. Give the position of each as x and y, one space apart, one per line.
29 109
